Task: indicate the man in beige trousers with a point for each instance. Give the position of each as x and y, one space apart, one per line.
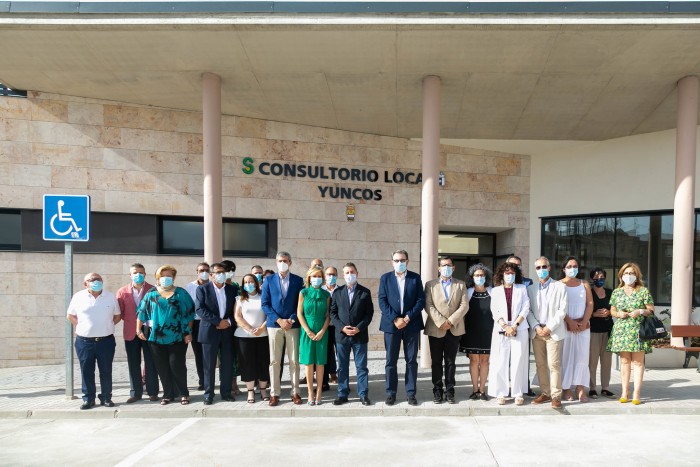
548 302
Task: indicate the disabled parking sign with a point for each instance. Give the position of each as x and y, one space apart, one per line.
66 218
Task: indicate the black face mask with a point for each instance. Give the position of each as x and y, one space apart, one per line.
599 282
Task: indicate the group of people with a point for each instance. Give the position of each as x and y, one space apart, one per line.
247 328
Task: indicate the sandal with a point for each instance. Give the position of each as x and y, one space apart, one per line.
263 393
318 401
165 401
185 400
251 396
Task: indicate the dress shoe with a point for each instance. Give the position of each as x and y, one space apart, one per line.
228 399
556 404
541 399
200 387
208 401
390 400
274 401
475 396
365 401
107 402
131 400
451 399
296 398
325 387
530 393
412 400
483 396
334 378
87 405
302 380
437 398
593 394
340 401
153 398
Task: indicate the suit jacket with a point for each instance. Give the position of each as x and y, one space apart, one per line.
209 313
125 299
553 317
276 307
358 314
520 306
439 309
390 302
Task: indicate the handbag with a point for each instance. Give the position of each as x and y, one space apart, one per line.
652 328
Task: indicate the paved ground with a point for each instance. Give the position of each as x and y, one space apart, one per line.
39 393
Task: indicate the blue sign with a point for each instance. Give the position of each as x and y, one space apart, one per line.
66 218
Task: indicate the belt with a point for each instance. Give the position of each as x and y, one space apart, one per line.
94 339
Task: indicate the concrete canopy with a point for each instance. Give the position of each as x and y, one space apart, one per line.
544 78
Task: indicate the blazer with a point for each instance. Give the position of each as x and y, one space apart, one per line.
358 314
390 302
209 313
520 306
439 309
127 305
276 307
553 317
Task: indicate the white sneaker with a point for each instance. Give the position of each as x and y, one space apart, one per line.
519 401
501 401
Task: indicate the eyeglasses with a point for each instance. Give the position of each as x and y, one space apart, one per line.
399 260
541 267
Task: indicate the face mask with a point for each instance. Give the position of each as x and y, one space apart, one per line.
220 278
479 280
629 279
137 278
203 276
282 267
316 281
250 288
542 273
599 282
165 281
446 271
571 272
509 278
258 277
331 279
350 278
400 267
229 275
96 286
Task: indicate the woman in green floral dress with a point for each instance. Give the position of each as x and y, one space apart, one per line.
314 318
630 302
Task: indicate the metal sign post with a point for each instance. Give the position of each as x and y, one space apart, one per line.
66 218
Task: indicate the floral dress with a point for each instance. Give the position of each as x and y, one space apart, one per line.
625 331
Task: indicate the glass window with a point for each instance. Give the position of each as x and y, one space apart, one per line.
696 273
245 238
11 231
466 244
240 237
182 236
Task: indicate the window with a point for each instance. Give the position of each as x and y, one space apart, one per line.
611 241
241 237
11 231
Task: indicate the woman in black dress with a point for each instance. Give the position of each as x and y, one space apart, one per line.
478 321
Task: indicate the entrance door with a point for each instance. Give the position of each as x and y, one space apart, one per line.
467 249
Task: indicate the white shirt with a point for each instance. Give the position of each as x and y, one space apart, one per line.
401 280
221 300
251 310
543 300
95 315
192 290
137 294
284 284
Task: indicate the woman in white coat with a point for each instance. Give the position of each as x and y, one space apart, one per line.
509 342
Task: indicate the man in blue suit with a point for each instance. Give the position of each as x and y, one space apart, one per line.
280 297
215 303
401 299
351 313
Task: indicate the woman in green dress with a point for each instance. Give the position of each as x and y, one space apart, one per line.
630 303
314 318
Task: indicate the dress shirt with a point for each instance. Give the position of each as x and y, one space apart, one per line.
351 292
221 300
95 314
192 290
543 300
137 294
401 281
284 284
447 287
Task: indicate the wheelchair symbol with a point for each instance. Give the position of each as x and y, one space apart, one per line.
61 216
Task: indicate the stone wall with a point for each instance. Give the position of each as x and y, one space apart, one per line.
136 159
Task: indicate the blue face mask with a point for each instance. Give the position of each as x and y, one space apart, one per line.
350 279
571 272
479 280
400 267
542 273
259 277
446 271
331 279
96 286
250 288
316 281
138 278
165 281
220 278
599 282
509 278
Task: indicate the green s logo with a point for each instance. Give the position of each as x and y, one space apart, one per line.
248 167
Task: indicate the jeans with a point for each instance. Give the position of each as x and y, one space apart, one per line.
133 358
360 355
90 351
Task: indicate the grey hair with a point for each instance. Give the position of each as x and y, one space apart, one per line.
283 254
479 267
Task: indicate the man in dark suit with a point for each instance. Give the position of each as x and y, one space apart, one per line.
215 303
401 299
280 297
351 313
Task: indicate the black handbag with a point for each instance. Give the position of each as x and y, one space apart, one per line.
652 328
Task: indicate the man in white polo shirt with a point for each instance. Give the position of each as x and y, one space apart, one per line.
94 312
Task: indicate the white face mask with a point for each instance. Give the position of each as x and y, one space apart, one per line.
350 279
282 266
229 275
509 278
203 276
629 279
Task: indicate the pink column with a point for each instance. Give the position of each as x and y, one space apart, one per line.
684 203
211 116
429 201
